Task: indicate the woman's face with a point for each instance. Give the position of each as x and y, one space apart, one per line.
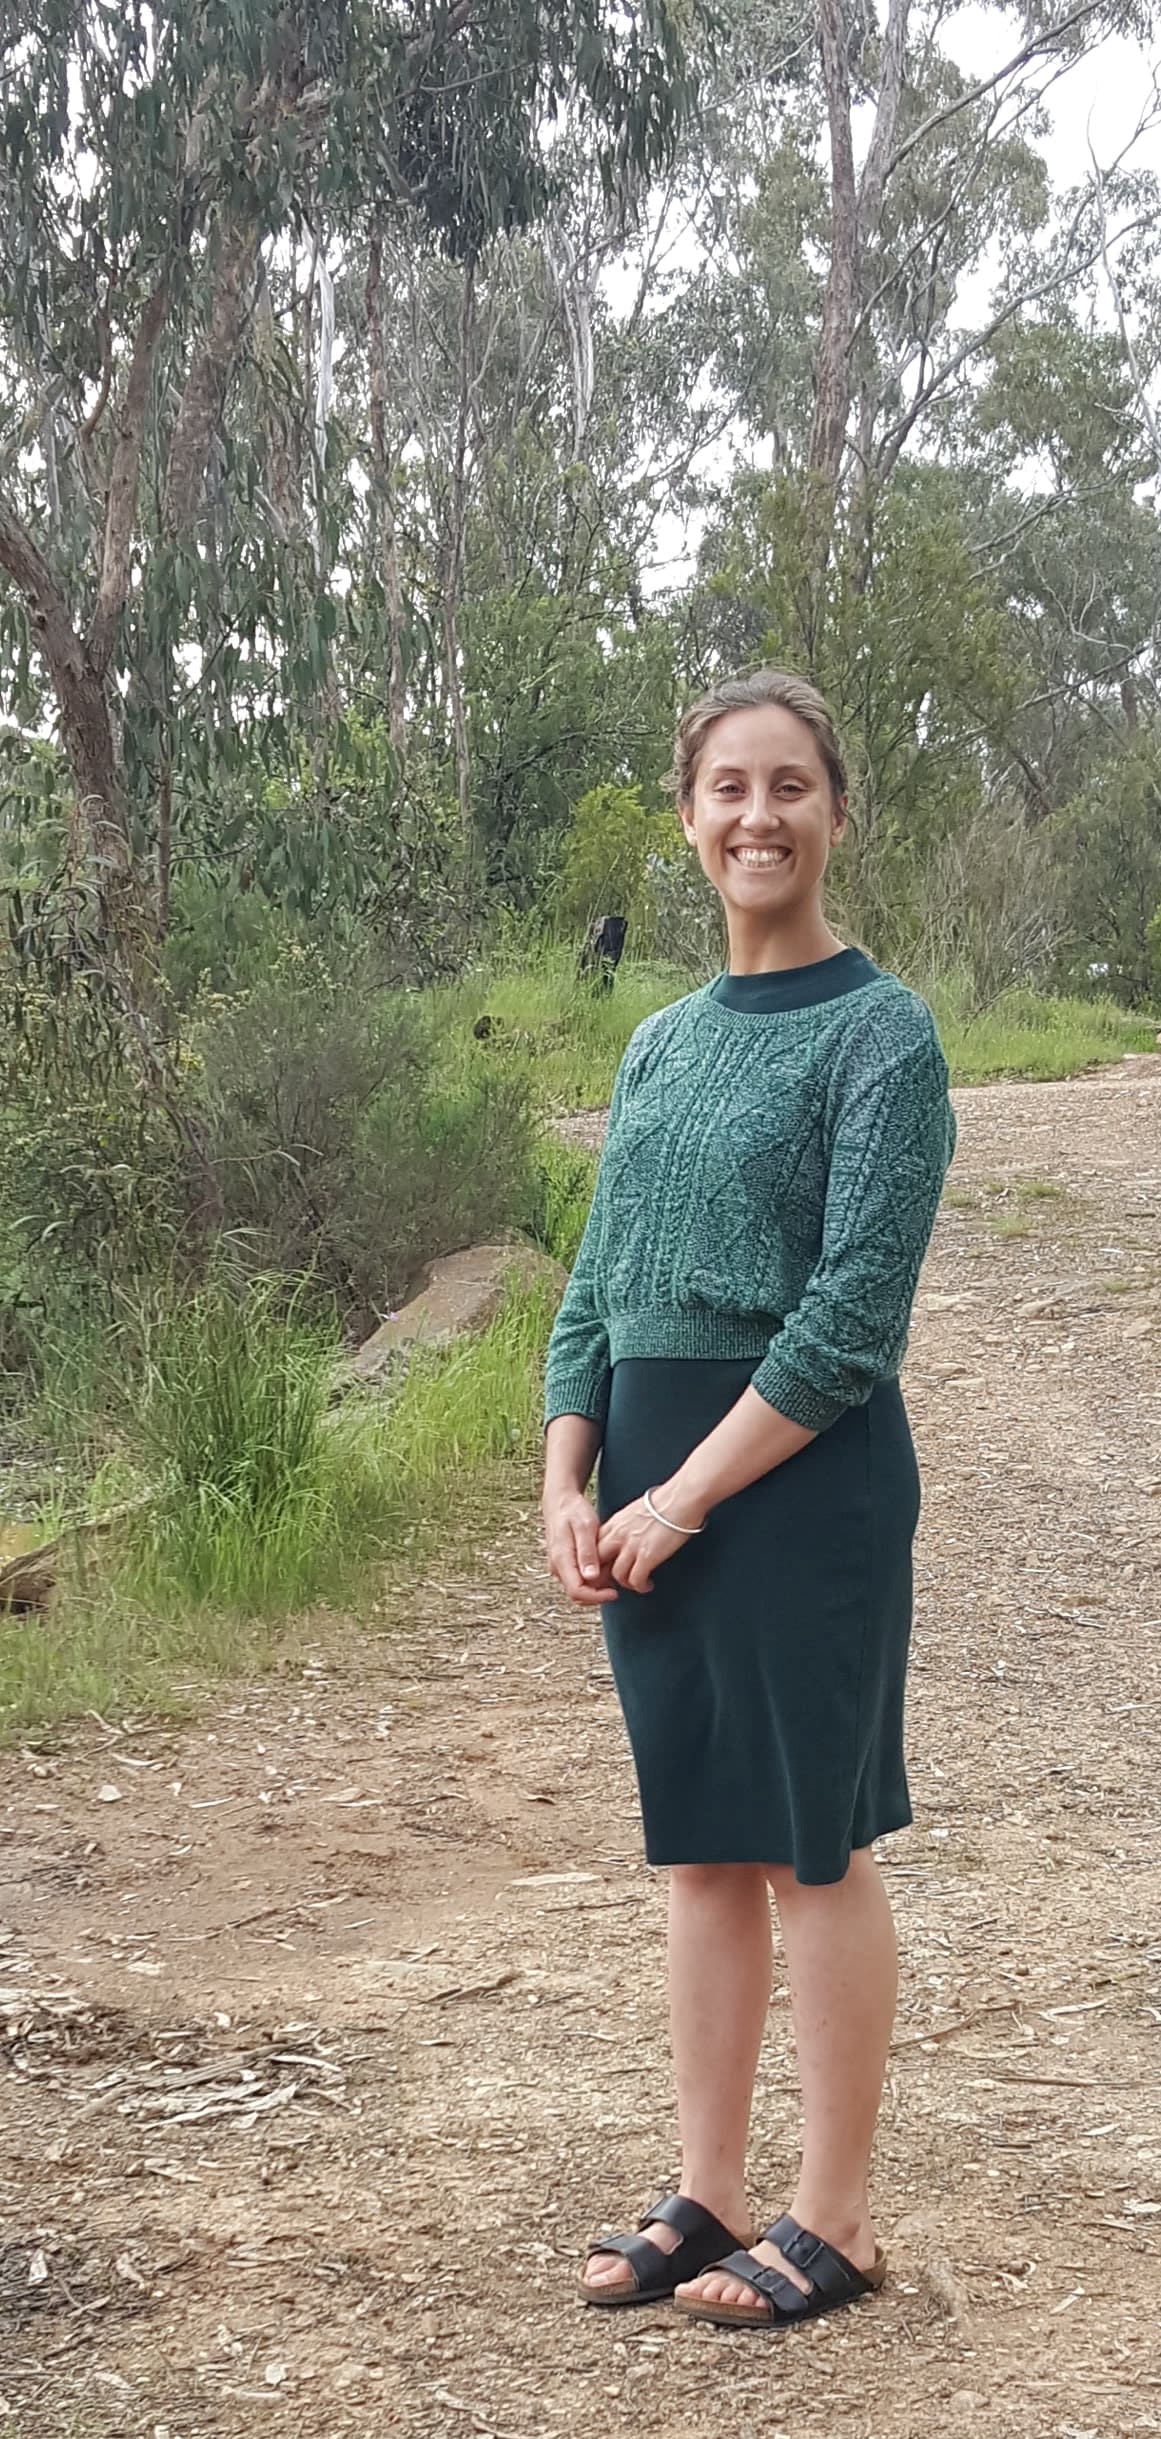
764 816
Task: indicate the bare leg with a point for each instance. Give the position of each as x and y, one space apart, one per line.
719 1991
842 1960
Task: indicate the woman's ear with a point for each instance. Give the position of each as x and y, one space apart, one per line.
685 817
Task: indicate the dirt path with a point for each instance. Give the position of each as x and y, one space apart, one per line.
334 2031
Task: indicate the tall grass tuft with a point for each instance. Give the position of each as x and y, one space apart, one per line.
229 1424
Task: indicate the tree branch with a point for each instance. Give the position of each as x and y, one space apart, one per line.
1045 42
124 471
209 373
874 175
1148 413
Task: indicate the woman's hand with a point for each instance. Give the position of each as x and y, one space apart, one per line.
570 1541
631 1543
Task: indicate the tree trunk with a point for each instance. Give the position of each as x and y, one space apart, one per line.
453 578
854 221
385 539
164 838
235 264
832 386
86 722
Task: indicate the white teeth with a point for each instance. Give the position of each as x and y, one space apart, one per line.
761 857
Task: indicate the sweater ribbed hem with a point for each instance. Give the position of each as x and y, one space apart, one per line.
795 1397
585 1392
693 1331
697 1333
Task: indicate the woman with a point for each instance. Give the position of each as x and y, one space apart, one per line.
730 1342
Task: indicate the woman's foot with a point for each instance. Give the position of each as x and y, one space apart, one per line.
612 2270
855 2238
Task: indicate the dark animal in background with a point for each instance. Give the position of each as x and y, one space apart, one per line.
601 953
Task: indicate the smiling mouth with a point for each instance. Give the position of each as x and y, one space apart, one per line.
759 859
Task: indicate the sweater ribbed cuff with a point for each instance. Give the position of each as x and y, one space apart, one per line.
585 1393
796 1398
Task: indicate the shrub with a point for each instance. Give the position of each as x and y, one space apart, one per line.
355 1132
604 856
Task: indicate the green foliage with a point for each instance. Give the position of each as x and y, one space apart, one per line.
1107 849
1026 1033
1153 949
605 850
355 1132
566 1175
462 1409
284 1500
92 1194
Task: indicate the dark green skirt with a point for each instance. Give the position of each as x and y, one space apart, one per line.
762 1679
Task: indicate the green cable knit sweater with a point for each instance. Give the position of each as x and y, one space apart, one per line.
767 1189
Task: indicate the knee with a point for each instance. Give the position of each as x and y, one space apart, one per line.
860 1868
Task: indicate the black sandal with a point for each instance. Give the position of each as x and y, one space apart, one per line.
655 2272
834 2281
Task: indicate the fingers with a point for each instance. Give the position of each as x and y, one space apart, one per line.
574 1559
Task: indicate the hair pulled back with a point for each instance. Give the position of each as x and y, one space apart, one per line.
778 686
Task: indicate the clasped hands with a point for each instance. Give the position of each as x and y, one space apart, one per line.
630 1544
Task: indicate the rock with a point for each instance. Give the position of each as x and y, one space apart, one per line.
461 1291
27 1581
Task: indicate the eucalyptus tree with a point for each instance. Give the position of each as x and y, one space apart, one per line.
166 525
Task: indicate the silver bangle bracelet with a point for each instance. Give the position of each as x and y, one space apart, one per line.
665 1520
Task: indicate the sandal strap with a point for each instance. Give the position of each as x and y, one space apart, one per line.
828 2270
788 2301
690 2219
701 2236
646 2260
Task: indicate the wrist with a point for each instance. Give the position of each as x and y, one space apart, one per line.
680 1499
563 1486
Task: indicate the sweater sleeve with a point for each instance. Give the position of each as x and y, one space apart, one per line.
893 1144
577 1371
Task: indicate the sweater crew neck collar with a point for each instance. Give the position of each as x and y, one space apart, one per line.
796 986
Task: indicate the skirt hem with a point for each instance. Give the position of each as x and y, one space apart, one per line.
808 1878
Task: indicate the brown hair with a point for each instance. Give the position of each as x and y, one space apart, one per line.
778 686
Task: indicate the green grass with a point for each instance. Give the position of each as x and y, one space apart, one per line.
1026 1034
572 1036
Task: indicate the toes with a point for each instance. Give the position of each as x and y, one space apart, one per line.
607 2270
714 2288
738 2292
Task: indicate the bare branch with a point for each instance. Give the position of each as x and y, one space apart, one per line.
945 372
1148 412
1038 47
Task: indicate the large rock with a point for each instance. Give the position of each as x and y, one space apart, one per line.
460 1291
